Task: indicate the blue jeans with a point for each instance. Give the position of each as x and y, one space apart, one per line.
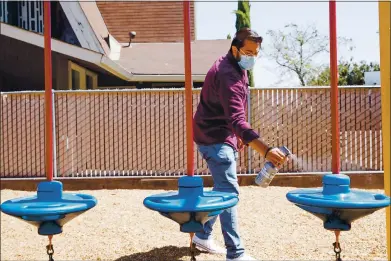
221 160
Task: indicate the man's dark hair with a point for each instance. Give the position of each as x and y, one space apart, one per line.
245 33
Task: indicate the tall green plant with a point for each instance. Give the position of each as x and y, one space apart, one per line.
243 19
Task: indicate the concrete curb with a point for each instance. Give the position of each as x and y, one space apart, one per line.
362 181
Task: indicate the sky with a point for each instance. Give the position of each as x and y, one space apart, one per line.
357 20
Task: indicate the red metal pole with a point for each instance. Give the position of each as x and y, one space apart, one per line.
188 89
48 92
334 88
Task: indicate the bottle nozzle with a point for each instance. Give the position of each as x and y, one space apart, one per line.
286 151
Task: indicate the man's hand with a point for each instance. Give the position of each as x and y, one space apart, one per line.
277 157
241 145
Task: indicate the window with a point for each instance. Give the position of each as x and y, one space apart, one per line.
91 80
30 15
81 78
3 11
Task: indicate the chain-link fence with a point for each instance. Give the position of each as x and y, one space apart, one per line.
301 120
142 132
22 141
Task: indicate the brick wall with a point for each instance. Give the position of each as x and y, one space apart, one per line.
152 21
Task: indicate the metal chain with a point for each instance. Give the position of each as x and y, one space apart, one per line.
337 251
50 251
192 252
192 247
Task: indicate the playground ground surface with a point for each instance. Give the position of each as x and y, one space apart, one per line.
121 228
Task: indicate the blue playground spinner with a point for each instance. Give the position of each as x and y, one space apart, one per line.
336 204
50 209
191 207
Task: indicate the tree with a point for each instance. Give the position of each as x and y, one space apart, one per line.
229 37
243 20
350 73
296 49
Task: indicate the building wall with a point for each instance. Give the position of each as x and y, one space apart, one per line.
152 21
22 67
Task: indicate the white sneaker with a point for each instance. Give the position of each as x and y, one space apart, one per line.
242 258
208 245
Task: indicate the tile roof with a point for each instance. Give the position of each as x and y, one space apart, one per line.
168 58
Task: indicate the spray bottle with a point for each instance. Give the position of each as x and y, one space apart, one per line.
267 173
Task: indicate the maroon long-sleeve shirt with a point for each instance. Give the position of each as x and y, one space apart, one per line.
220 115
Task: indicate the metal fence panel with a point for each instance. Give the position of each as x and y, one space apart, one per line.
142 132
22 131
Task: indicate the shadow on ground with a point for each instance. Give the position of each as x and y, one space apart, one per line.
167 253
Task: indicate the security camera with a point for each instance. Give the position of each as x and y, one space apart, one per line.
132 35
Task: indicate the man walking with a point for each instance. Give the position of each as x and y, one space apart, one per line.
221 130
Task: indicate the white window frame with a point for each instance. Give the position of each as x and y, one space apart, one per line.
30 14
4 11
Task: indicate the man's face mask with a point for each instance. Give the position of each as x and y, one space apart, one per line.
247 62
248 54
